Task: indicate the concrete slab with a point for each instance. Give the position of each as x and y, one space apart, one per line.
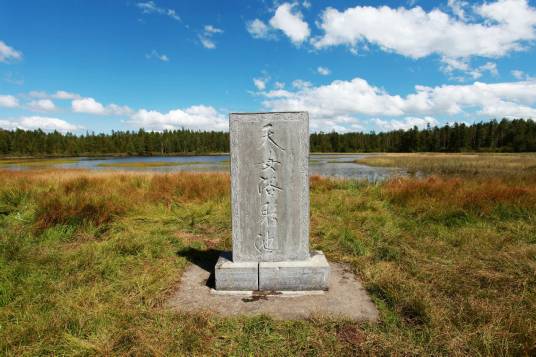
236 276
346 299
298 275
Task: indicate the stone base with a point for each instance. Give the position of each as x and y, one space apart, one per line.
236 276
302 275
310 274
346 298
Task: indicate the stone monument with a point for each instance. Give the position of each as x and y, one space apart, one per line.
270 207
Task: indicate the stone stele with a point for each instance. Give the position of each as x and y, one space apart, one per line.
270 206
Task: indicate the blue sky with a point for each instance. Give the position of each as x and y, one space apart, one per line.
354 65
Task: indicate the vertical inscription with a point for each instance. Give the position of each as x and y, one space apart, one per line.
268 190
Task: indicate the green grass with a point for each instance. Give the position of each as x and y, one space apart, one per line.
88 260
37 162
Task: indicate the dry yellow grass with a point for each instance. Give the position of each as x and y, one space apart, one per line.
87 259
458 164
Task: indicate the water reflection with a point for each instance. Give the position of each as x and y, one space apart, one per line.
334 165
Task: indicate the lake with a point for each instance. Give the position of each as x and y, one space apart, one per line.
333 165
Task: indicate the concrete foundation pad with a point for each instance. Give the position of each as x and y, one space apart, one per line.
236 276
310 274
346 299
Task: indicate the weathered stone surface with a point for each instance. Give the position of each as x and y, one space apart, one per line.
236 276
309 274
270 186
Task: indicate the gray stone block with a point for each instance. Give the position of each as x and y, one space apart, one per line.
270 186
309 274
236 276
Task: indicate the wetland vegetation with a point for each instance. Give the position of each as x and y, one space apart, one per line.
88 260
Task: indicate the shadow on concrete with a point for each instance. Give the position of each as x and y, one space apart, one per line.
205 259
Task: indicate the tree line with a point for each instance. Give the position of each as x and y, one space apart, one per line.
516 135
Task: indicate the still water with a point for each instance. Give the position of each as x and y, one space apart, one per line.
334 165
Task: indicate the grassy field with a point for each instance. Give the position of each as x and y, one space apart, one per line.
491 165
88 260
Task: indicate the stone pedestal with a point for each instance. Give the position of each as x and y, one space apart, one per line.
295 275
236 276
270 206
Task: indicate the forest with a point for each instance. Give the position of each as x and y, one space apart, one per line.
517 135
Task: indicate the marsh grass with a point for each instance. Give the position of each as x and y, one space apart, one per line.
141 164
37 162
488 165
88 260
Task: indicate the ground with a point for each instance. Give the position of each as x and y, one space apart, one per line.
88 260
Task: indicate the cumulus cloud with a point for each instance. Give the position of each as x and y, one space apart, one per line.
61 94
150 7
520 75
259 83
154 54
197 117
506 26
323 71
341 100
37 122
458 8
258 29
42 105
404 124
8 101
206 37
8 54
91 106
290 21
460 68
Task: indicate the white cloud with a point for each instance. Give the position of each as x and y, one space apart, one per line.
206 37
207 42
404 124
42 105
38 94
37 122
8 53
91 106
279 85
306 4
8 101
520 75
291 23
457 68
87 105
63 95
323 71
158 56
150 7
258 29
507 26
260 83
301 84
458 8
346 99
199 117
212 29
